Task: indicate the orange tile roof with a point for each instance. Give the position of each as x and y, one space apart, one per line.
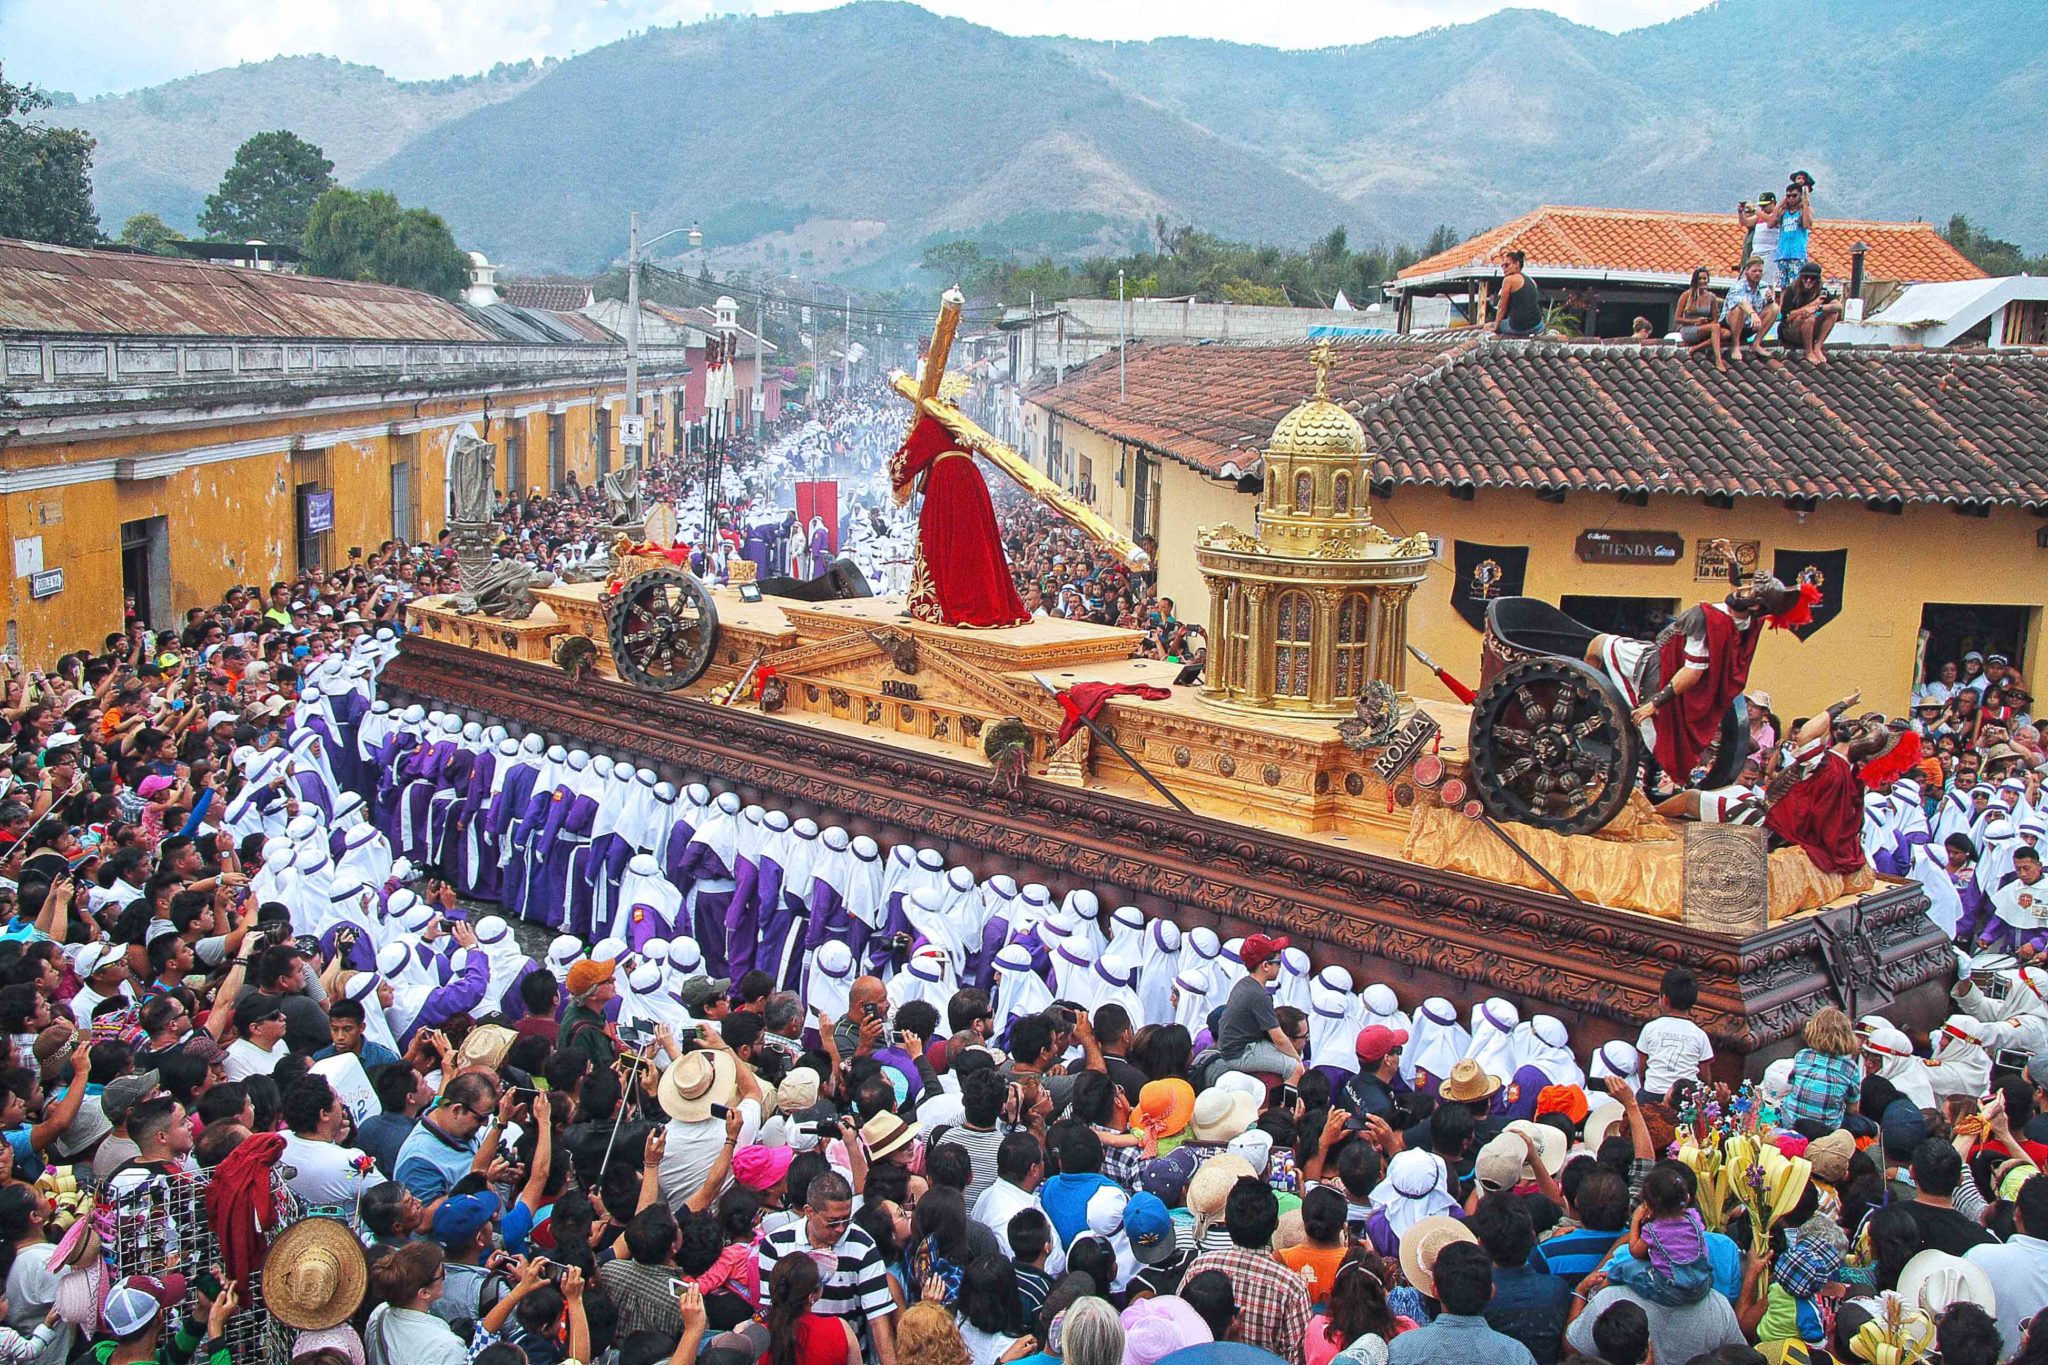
1669 242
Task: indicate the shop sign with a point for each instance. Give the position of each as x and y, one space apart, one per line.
1630 547
1710 563
48 583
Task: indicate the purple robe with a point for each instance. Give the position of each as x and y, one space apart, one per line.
422 778
644 924
393 755
554 851
742 920
451 789
522 870
706 901
594 883
461 995
498 829
473 852
312 790
349 709
821 551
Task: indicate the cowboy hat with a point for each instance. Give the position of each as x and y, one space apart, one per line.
695 1082
316 1275
1936 1281
1422 1243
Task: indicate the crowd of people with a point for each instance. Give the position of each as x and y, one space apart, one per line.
580 1063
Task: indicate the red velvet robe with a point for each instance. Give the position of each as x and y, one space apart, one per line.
962 577
1823 814
1693 721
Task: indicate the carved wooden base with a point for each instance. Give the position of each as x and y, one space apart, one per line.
1422 930
529 639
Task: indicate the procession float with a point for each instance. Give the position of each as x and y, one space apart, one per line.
1561 836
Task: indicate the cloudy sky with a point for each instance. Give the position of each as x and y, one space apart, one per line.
92 47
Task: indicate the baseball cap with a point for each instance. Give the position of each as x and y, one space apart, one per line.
256 1007
124 1092
2037 1071
1377 1040
1259 948
1150 1228
132 1307
700 991
463 1216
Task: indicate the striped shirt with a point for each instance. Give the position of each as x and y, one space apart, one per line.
980 1146
857 1289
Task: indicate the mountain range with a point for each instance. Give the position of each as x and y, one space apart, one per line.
844 141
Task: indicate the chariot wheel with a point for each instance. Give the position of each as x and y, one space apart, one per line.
663 626
1553 746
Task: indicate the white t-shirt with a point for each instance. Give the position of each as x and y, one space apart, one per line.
245 1059
31 1289
1673 1050
327 1172
693 1147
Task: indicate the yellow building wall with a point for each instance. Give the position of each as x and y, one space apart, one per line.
236 521
1896 566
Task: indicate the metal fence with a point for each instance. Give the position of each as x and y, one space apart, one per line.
161 1226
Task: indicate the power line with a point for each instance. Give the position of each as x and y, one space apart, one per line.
872 313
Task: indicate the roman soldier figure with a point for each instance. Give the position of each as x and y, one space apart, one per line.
1680 686
1816 802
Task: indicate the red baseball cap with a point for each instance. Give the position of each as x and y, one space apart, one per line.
1376 1040
1258 948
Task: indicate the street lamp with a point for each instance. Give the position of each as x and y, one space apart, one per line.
633 245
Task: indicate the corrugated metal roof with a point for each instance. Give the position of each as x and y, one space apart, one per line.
539 325
47 288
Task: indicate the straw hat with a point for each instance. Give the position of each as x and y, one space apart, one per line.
887 1132
485 1046
1210 1188
1421 1244
1549 1142
695 1082
316 1274
1468 1083
1220 1115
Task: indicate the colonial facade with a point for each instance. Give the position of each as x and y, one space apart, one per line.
172 428
1596 475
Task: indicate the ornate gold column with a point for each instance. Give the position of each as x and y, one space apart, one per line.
1323 648
1258 643
1393 637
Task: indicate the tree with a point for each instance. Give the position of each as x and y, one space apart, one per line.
45 174
150 233
1989 254
365 235
268 192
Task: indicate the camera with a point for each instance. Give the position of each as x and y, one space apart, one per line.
636 1034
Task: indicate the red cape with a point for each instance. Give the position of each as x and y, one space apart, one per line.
1693 721
962 577
1823 814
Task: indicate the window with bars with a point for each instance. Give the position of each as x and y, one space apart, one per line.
1354 643
1293 637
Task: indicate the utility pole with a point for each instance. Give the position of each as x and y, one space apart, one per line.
1121 339
631 445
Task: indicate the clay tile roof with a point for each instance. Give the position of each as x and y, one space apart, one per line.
47 288
553 298
1667 242
1874 423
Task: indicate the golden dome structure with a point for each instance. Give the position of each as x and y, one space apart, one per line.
1314 605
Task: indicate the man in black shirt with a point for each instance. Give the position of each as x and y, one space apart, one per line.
1937 1170
1371 1091
1113 1036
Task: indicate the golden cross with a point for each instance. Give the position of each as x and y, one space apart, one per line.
1322 357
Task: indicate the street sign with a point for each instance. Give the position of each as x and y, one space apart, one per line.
48 583
632 431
